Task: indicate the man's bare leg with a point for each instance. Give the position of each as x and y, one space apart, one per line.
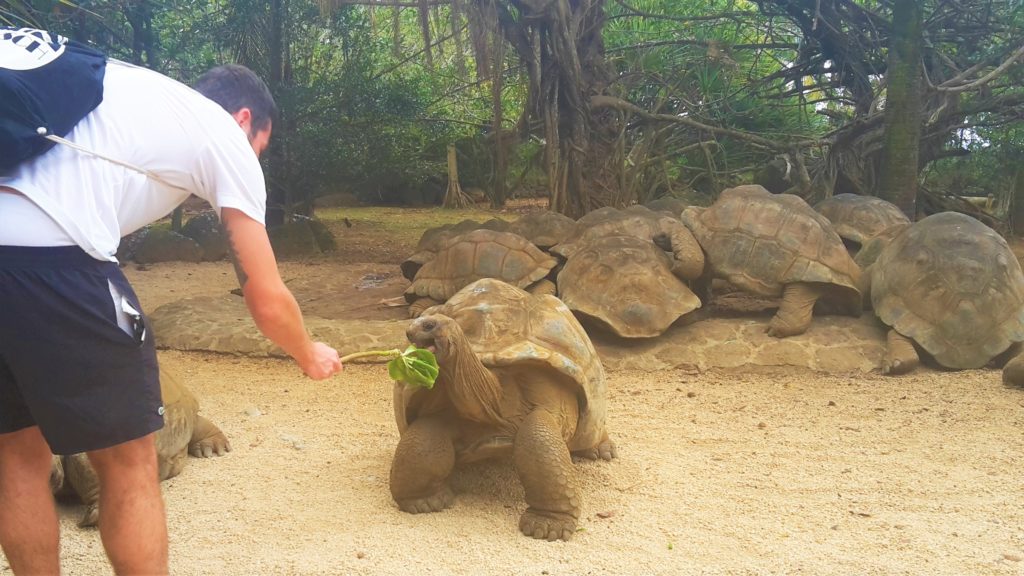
133 525
28 519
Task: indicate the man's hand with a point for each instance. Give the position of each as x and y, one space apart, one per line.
272 305
322 363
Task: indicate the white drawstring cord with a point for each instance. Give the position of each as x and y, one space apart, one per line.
42 131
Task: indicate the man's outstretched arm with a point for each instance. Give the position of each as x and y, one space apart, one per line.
272 305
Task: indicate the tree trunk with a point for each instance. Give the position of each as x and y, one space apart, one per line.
396 32
144 50
902 109
454 197
277 193
460 54
500 153
176 219
560 40
424 17
1016 216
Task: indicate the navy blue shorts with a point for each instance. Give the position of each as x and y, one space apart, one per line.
66 364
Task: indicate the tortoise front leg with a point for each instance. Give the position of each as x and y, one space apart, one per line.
1013 371
423 460
794 315
900 355
542 460
688 256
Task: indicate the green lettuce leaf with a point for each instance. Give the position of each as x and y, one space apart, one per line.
415 367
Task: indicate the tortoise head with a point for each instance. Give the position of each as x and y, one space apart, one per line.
437 333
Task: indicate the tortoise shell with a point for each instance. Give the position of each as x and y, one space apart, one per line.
952 285
857 218
479 254
544 229
760 242
432 239
509 327
636 221
626 284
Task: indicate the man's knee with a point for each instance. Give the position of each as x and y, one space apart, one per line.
25 451
133 457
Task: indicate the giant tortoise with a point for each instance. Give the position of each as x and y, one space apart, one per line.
475 255
185 432
772 245
626 285
951 285
858 218
432 239
518 377
666 232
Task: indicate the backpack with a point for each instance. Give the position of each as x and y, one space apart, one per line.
47 85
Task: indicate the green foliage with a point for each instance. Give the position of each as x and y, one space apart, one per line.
414 367
362 112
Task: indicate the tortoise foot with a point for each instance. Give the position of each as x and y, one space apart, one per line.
1013 372
216 444
91 517
548 526
779 328
900 355
894 366
435 503
606 450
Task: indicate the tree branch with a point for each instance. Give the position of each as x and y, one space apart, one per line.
948 88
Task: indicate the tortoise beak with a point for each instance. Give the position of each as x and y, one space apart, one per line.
429 332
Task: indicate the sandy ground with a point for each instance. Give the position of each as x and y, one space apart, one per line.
722 472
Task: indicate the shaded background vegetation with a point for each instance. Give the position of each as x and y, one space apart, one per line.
595 102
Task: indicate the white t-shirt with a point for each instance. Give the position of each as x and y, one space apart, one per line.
150 121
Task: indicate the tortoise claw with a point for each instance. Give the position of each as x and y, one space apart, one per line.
434 503
548 526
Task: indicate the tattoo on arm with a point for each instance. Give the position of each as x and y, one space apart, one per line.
233 255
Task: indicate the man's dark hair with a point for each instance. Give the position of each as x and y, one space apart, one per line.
235 87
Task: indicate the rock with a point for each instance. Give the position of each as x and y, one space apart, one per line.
206 230
166 246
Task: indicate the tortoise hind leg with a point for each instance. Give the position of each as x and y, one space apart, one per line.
79 473
207 440
542 460
543 286
423 460
900 355
794 315
420 304
605 450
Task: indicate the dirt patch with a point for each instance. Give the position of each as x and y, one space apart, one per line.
749 471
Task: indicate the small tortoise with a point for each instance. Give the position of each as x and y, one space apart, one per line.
953 286
518 377
474 255
857 218
432 239
668 205
626 285
772 245
544 229
667 233
185 432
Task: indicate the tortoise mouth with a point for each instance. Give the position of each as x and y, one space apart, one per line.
428 332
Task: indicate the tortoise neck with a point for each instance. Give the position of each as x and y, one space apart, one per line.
473 389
